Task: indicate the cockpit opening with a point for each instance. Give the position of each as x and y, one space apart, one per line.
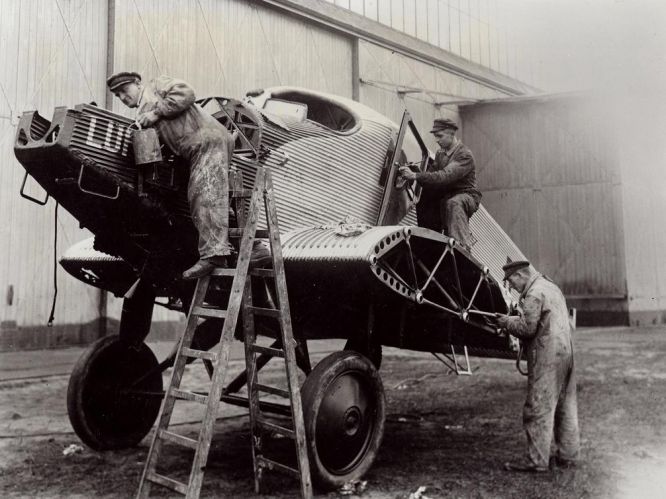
318 108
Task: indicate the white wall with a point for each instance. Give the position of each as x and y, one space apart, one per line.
642 131
53 53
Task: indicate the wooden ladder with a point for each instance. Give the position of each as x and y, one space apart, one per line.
216 361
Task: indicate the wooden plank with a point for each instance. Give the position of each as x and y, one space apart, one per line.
168 482
281 430
178 439
214 313
265 312
262 273
230 272
288 342
185 395
200 354
267 350
270 464
272 390
252 366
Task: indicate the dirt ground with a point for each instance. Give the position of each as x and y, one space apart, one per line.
447 433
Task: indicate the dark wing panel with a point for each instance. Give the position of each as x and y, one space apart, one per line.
428 293
98 269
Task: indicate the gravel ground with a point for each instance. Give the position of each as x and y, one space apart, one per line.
447 433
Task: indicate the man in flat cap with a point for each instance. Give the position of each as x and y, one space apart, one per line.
550 408
168 105
450 195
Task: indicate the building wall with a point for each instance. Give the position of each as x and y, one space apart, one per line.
642 123
550 174
384 73
53 54
472 29
229 47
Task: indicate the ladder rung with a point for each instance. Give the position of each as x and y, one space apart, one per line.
199 354
167 482
222 271
259 233
266 312
271 389
240 193
287 432
178 439
275 352
270 464
262 272
216 313
195 397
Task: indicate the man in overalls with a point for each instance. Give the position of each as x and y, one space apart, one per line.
551 405
167 104
450 195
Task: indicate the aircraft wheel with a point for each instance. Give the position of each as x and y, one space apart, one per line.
103 411
344 412
372 351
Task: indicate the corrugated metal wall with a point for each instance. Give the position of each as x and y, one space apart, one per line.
385 72
472 29
229 47
550 174
642 121
53 53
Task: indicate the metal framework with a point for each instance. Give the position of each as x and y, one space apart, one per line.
421 284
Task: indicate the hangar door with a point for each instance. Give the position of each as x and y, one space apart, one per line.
550 175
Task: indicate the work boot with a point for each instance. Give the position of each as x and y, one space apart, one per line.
204 267
261 254
525 467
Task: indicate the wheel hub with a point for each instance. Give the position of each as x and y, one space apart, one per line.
353 420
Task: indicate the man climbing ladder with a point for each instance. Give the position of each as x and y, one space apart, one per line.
240 299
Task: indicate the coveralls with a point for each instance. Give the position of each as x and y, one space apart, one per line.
551 405
450 196
206 145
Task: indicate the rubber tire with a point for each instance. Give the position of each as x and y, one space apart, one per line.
374 353
324 379
103 418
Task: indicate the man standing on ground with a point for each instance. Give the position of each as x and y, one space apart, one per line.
545 331
168 105
449 196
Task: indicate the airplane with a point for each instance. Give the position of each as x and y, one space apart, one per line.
357 265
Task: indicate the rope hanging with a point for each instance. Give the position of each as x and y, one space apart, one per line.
55 266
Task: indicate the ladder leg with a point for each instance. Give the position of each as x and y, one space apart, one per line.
166 410
235 301
287 339
253 396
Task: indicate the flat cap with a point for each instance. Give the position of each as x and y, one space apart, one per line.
443 124
512 267
119 79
